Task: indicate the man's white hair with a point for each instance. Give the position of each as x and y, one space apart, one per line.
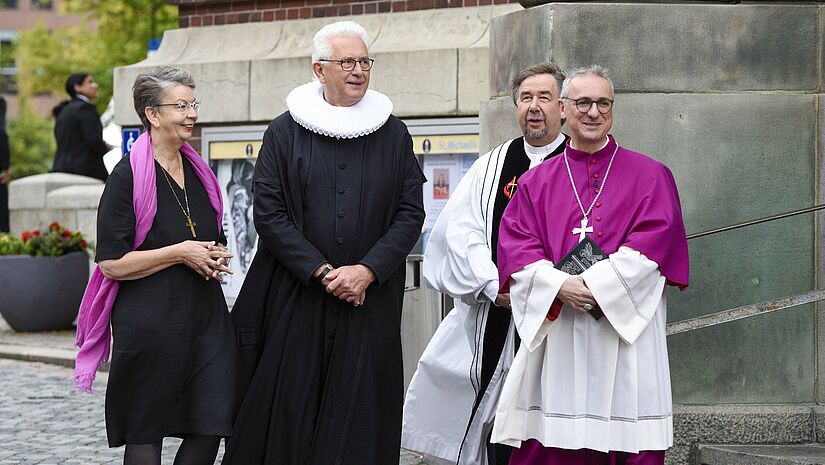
321 43
592 70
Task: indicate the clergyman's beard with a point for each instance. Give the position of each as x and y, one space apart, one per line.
533 135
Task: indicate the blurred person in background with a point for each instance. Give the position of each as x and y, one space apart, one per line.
78 132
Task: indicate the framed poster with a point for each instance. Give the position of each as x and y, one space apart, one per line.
232 152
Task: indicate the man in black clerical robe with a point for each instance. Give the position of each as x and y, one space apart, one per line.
452 398
337 206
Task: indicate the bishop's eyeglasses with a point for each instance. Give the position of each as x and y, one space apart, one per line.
584 104
348 64
182 106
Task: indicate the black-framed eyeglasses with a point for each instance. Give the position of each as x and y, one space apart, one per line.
348 64
182 106
584 104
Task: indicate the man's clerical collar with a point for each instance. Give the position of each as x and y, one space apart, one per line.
606 141
83 97
538 154
544 149
605 151
308 108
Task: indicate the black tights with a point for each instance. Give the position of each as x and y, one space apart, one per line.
194 450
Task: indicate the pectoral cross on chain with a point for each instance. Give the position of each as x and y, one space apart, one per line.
583 230
191 225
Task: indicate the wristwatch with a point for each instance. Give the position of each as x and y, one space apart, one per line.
325 272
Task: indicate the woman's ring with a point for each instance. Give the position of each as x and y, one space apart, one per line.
587 307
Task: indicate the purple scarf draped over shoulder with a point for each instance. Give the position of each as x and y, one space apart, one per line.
93 333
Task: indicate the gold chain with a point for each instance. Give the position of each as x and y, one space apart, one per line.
186 212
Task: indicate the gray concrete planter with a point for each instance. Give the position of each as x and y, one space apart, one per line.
42 293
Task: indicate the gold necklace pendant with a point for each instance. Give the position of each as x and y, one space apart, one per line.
186 211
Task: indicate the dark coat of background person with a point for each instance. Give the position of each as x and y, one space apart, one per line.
5 162
80 145
328 388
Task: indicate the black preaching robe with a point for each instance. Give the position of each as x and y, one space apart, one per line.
320 381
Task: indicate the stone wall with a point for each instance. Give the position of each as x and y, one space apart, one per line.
197 13
71 200
431 63
729 97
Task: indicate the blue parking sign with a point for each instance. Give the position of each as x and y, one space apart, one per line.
130 135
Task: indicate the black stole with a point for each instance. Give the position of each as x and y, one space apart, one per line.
516 163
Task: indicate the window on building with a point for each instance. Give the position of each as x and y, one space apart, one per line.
8 3
8 66
42 4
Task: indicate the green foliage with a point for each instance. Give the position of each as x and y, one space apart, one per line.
122 29
113 33
51 242
31 141
11 245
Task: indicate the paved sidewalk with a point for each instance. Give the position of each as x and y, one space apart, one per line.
43 421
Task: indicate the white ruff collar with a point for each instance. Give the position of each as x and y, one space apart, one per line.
309 109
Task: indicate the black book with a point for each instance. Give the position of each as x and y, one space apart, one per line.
584 255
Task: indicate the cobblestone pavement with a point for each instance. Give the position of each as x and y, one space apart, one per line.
44 422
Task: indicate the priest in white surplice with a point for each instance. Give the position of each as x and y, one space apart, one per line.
583 390
451 401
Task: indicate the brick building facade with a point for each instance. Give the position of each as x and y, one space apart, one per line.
197 13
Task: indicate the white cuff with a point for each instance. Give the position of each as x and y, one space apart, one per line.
532 292
490 291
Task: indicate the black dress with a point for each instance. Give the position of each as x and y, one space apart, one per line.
320 381
173 358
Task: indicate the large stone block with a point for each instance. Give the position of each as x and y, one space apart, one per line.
75 197
667 48
742 424
497 122
271 81
30 192
736 157
820 265
224 91
510 52
472 79
420 83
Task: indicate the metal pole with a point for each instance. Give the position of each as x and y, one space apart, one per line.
756 221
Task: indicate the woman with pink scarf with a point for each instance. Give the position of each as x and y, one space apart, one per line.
160 255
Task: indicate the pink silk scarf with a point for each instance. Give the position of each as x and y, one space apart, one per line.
93 332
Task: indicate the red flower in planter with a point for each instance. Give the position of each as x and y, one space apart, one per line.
54 241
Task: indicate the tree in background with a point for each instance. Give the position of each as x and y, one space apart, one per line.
30 141
114 33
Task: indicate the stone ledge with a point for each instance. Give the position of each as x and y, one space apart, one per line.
416 48
75 197
672 47
796 454
737 424
31 192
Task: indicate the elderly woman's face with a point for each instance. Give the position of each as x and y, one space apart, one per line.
175 116
344 88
